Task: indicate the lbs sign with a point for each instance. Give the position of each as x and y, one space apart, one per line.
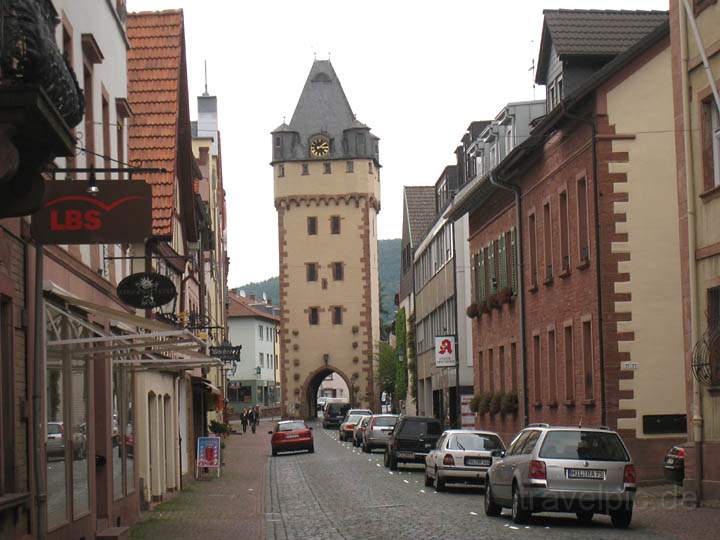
120 213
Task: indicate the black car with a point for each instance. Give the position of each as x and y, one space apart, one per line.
674 464
411 440
334 414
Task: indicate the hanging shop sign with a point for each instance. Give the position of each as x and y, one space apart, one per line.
146 290
444 351
120 212
226 352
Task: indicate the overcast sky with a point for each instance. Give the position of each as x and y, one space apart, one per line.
416 72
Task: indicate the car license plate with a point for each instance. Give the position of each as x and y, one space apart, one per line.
670 461
406 455
586 474
292 436
477 462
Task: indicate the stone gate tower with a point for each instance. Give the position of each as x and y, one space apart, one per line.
327 195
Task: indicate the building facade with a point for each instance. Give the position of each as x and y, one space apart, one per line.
697 128
254 326
327 194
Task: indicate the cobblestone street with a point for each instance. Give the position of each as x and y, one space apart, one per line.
340 493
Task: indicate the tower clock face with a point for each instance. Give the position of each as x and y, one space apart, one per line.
319 147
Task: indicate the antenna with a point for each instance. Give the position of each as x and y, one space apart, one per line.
532 69
206 91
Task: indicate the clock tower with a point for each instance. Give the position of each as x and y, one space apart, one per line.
327 194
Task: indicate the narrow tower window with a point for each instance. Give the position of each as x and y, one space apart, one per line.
312 225
335 224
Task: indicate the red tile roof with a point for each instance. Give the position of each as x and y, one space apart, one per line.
155 63
240 307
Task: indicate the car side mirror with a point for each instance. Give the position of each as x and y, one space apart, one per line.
498 453
269 432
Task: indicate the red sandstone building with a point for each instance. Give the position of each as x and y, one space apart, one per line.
573 235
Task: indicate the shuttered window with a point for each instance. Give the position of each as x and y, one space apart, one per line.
481 276
502 263
491 269
514 265
474 293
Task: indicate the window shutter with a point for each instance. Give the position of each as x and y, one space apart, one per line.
491 270
481 276
502 263
513 270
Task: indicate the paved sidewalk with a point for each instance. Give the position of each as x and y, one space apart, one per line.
231 506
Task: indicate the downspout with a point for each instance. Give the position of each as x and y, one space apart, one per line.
521 285
596 203
697 417
458 397
37 396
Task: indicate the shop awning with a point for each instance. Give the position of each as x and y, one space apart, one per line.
144 342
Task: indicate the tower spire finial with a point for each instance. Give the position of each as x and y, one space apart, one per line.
206 90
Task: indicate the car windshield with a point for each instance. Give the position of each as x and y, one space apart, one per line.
385 421
475 441
353 419
414 428
53 429
583 445
291 426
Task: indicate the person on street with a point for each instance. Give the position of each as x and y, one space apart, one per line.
244 420
254 418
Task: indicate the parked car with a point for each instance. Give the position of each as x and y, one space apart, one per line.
56 440
362 412
377 432
348 426
674 464
411 440
563 469
291 435
461 457
321 401
360 428
334 413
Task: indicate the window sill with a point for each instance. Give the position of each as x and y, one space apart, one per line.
569 402
565 273
552 404
548 282
585 263
588 402
710 194
538 404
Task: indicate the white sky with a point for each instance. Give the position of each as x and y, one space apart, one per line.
417 72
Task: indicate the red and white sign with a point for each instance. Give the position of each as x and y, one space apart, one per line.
468 417
445 351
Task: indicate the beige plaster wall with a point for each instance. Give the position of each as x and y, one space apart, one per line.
642 105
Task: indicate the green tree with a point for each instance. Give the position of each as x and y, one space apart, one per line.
402 353
387 367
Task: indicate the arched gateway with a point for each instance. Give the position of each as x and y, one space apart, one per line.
312 385
327 195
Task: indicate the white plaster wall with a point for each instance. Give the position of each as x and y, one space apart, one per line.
244 331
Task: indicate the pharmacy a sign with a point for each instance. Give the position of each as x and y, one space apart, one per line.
445 351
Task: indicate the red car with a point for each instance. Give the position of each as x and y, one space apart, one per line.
291 435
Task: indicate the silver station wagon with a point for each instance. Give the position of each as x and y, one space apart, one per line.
563 469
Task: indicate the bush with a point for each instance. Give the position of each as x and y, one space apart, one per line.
475 403
472 311
509 403
218 428
484 403
484 307
494 405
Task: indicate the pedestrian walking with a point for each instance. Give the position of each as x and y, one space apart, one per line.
244 420
254 418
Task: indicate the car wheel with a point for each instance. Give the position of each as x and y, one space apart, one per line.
520 513
584 516
621 517
311 450
428 479
365 448
439 482
274 452
386 459
492 509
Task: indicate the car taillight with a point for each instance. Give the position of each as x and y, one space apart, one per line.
538 470
629 476
449 460
306 433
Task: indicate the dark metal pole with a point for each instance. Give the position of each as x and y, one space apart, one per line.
458 400
38 377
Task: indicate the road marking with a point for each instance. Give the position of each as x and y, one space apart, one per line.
514 528
473 513
406 481
422 491
377 464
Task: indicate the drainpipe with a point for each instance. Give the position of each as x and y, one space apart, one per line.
697 417
596 203
521 285
37 395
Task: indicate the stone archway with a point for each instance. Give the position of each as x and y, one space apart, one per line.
308 407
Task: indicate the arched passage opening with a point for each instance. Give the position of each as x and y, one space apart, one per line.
331 381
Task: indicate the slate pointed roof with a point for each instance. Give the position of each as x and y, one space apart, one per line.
420 209
323 106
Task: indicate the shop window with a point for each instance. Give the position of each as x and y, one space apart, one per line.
7 418
713 322
123 433
664 424
56 439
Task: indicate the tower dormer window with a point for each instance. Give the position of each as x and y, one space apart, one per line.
327 167
360 143
281 170
305 169
349 166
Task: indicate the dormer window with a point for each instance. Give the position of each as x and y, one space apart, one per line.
360 147
509 139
